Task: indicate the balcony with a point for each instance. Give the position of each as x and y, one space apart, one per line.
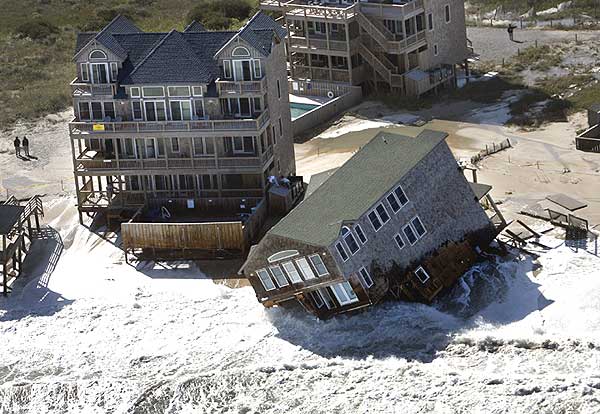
79 89
392 11
321 73
99 128
307 45
236 88
94 161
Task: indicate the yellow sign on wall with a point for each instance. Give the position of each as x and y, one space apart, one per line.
98 127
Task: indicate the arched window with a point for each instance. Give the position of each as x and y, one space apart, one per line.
98 54
345 230
240 51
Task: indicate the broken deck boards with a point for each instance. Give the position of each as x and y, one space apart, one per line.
567 202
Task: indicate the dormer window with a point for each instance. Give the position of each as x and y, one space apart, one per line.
98 55
240 51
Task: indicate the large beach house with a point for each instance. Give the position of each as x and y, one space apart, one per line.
199 118
399 219
407 46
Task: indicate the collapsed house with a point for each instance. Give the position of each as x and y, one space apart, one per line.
399 220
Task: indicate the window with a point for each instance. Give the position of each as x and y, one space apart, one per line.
422 275
291 271
399 241
181 110
418 226
278 89
317 262
327 298
203 146
155 110
366 277
240 51
135 92
280 128
317 298
435 49
383 215
136 108
360 233
199 108
279 276
109 110
410 234
265 279
447 11
242 145
334 28
257 106
350 240
98 54
375 222
85 72
97 111
179 91
305 268
420 20
430 21
391 198
227 69
341 251
153 91
257 69
84 111
344 293
99 73
114 71
197 91
402 199
175 144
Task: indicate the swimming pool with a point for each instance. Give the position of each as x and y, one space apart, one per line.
299 109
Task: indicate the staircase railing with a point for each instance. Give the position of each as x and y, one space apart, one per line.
377 33
376 63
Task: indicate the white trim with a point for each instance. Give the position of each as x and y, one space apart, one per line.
350 234
282 255
316 296
139 92
398 235
85 78
420 268
195 113
292 273
374 210
306 271
173 150
106 72
156 112
414 233
180 101
148 87
358 226
104 55
266 275
114 66
194 91
339 245
227 67
257 74
420 236
366 284
141 111
280 283
245 54
179 96
312 260
347 299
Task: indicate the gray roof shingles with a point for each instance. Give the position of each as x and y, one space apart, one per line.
9 217
355 187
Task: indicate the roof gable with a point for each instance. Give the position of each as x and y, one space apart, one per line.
119 24
195 26
356 186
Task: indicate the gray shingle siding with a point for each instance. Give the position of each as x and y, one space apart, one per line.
440 196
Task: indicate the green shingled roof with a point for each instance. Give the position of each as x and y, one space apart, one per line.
356 186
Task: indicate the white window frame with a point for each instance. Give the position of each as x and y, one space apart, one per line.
327 298
227 69
104 55
357 227
347 299
178 96
266 274
366 283
311 259
195 108
317 297
279 283
194 88
350 234
414 232
155 109
420 236
114 71
420 269
292 273
133 94
89 106
340 246
180 101
447 16
396 236
204 152
395 197
152 96
243 149
173 145
374 210
257 68
306 271
141 110
245 52
399 187
106 71
85 72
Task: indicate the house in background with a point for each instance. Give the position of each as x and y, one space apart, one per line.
399 219
194 119
407 47
589 140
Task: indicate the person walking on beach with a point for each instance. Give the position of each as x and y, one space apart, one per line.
511 31
25 144
17 143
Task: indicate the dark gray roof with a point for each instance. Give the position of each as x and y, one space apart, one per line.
480 190
355 187
9 217
119 24
259 32
595 107
194 26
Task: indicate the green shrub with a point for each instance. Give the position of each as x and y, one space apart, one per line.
37 29
220 14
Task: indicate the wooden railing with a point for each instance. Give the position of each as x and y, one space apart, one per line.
101 128
379 67
318 44
226 87
321 74
318 88
392 11
330 13
83 89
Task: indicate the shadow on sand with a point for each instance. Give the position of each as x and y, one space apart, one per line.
494 293
30 294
